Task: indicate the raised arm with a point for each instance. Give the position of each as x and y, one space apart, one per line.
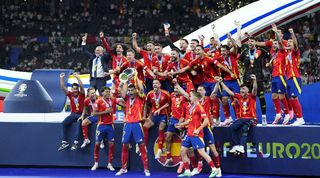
254 85
234 48
76 75
180 89
215 89
275 30
123 87
62 85
105 43
84 48
238 41
169 42
294 38
134 43
225 87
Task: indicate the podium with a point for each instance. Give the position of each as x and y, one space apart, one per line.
28 96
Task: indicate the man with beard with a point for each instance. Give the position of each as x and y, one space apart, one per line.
247 103
253 60
147 60
117 59
76 98
159 101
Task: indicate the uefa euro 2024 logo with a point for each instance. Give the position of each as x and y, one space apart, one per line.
22 88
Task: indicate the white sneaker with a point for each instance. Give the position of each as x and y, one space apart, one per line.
219 173
234 149
186 173
276 119
240 149
85 143
147 173
227 122
264 120
195 171
298 122
110 167
95 166
101 144
121 171
286 119
159 152
214 172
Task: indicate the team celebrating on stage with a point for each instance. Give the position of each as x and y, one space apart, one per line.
181 93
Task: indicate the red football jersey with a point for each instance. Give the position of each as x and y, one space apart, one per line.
196 117
161 63
138 65
134 109
175 66
247 106
177 105
101 105
190 56
231 62
158 99
90 104
208 67
278 62
76 103
293 62
147 60
206 103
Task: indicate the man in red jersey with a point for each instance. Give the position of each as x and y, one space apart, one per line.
117 59
87 117
132 62
178 101
294 79
248 116
76 98
196 122
135 99
213 50
278 64
159 101
206 103
147 60
105 108
159 64
196 71
230 61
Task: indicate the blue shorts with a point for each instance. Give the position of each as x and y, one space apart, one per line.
171 124
93 119
132 129
278 85
158 119
195 142
105 130
208 136
294 87
233 85
165 85
209 87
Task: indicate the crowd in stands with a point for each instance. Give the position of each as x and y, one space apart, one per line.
49 32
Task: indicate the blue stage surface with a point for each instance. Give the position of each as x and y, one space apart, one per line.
85 172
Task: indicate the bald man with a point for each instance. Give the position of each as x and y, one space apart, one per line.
98 65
